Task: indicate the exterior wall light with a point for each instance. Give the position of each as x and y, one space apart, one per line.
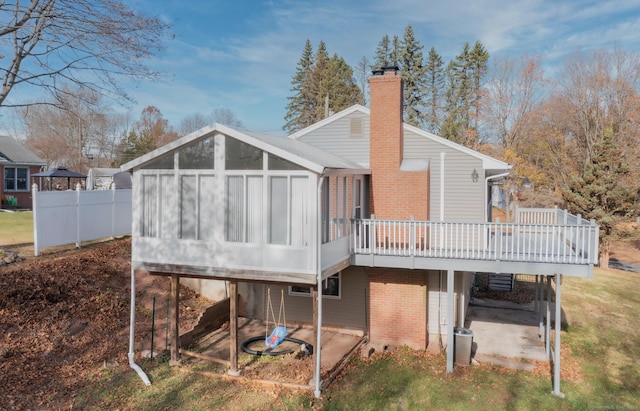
474 176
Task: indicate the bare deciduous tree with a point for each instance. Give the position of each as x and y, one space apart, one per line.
226 117
79 132
192 123
512 90
48 44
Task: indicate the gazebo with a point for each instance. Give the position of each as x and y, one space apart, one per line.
60 172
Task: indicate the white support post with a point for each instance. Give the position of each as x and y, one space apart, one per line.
450 307
547 333
539 302
556 360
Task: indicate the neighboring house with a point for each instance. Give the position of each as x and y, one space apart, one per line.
17 164
363 221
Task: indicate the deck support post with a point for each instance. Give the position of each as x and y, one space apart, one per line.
233 328
314 297
556 360
539 305
174 316
547 333
317 350
450 308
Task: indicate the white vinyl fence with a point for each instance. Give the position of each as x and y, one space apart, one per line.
67 217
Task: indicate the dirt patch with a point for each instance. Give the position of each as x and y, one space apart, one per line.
65 315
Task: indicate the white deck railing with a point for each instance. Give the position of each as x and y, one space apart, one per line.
541 243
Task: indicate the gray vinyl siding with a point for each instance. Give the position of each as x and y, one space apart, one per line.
437 299
463 199
335 138
349 311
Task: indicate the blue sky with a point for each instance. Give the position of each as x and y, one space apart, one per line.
242 54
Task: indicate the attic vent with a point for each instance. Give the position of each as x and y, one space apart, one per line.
355 129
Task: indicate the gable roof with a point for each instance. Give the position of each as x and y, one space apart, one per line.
298 152
13 152
488 162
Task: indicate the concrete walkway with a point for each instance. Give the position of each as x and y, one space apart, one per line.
505 334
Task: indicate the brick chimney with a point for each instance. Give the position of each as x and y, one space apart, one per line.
386 118
396 194
399 190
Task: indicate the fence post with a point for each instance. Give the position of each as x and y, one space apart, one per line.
78 220
113 210
34 206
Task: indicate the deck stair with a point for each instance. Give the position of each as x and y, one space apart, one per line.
501 282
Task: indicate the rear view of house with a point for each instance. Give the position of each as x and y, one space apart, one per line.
360 221
17 164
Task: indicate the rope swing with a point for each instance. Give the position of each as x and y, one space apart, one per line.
280 331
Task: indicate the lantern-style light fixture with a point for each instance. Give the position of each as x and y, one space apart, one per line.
474 176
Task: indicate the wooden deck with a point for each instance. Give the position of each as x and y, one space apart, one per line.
570 248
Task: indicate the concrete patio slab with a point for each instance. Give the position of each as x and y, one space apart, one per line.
506 336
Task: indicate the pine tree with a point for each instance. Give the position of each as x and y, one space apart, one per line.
300 107
395 56
383 53
478 68
462 96
434 82
343 91
320 82
412 71
322 85
599 193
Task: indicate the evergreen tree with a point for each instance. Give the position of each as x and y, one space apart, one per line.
434 82
465 75
413 73
478 68
322 85
599 193
454 121
300 107
395 56
383 53
343 91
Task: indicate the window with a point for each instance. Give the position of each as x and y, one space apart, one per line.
198 155
241 156
277 163
330 288
16 178
196 207
288 210
244 209
162 163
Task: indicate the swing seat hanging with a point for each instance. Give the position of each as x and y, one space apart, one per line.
276 337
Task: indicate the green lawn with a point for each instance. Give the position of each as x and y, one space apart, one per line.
601 344
16 228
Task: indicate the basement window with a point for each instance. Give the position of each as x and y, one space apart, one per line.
331 288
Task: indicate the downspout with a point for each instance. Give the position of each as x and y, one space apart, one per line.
486 186
132 327
318 349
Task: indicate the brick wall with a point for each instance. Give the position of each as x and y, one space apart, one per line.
398 307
